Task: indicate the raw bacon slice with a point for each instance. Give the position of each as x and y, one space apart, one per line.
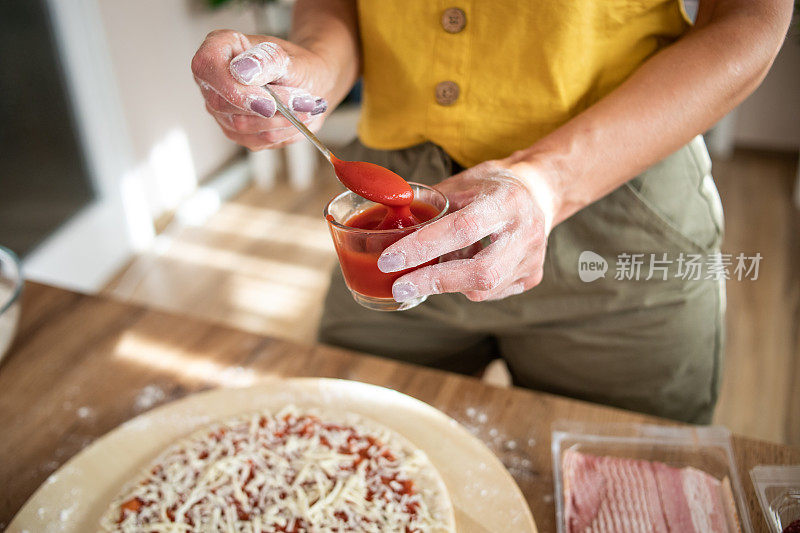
613 494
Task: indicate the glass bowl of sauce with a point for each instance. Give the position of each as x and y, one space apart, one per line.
356 226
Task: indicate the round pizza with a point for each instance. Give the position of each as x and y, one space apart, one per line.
292 472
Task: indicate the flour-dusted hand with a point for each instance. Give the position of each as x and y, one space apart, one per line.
231 69
490 201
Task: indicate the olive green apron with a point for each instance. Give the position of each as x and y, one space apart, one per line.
650 345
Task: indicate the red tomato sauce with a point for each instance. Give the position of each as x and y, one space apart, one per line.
373 182
358 255
375 217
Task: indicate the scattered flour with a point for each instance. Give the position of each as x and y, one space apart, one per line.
148 397
238 376
66 513
49 466
85 412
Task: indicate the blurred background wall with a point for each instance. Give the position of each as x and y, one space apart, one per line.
150 45
770 118
133 113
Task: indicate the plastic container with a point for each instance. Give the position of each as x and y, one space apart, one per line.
778 491
705 448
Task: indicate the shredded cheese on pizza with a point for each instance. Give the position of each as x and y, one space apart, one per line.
292 472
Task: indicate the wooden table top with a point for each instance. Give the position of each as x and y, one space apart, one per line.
82 365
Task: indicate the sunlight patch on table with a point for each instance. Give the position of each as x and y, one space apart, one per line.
243 263
272 225
150 353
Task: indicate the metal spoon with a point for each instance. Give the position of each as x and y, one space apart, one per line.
283 110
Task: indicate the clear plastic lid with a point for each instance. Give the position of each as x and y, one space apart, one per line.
705 448
778 491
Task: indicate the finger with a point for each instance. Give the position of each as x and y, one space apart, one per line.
487 271
527 275
215 101
532 276
262 64
452 232
300 100
517 287
463 253
268 139
251 124
268 62
210 68
259 141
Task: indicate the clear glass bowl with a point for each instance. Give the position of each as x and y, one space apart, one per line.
11 283
358 249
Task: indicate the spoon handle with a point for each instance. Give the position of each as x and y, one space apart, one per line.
283 110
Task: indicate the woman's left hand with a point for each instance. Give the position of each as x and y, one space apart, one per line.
486 200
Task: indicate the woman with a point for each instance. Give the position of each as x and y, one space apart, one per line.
560 131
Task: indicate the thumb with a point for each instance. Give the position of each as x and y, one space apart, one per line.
261 64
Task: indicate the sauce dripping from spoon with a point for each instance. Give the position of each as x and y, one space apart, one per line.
380 185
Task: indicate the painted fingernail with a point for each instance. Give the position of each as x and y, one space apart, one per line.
303 103
246 69
404 291
320 106
391 262
264 107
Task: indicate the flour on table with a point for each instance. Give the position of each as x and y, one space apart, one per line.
238 376
148 397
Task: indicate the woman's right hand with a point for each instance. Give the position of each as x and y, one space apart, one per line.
231 69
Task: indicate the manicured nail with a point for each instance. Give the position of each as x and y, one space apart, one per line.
320 106
246 69
391 262
264 107
404 291
303 103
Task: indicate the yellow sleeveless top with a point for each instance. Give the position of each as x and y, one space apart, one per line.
483 78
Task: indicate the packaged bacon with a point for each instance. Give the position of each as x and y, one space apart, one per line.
778 491
637 477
